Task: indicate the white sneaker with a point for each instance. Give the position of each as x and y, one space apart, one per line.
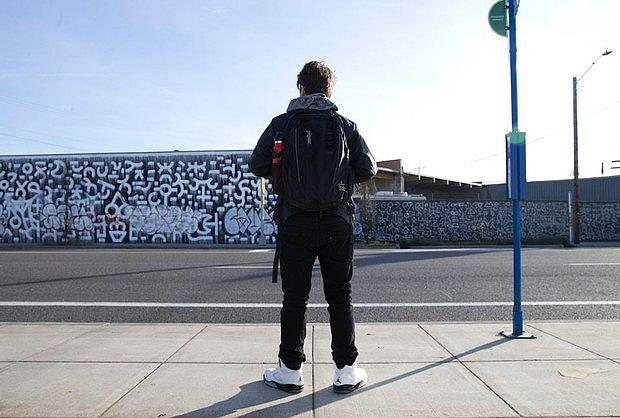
283 378
349 378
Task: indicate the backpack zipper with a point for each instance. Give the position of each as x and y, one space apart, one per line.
297 158
341 152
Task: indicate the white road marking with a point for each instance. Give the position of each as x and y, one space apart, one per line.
444 250
238 251
310 305
316 267
594 264
237 267
131 251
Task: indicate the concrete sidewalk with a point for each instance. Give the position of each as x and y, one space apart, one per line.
436 369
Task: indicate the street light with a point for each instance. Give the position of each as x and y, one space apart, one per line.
575 209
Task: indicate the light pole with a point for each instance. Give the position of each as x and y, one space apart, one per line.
576 214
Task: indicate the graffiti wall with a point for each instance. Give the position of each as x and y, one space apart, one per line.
486 221
212 198
600 221
178 197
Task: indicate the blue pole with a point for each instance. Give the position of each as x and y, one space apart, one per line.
512 34
517 314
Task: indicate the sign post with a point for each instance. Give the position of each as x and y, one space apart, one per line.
515 157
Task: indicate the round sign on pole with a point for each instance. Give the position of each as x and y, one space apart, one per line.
497 18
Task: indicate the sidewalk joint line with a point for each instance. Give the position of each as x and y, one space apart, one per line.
448 359
541 360
86 362
218 363
471 371
451 359
97 329
152 371
7 366
313 364
571 343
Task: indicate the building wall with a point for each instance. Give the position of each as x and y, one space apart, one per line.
595 189
212 198
600 221
487 221
179 197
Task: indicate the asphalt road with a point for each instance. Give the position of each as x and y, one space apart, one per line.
479 278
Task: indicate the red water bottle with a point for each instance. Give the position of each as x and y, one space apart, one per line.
276 165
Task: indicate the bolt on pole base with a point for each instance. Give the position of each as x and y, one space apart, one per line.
523 336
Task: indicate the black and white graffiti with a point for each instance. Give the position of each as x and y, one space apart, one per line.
179 197
212 198
479 221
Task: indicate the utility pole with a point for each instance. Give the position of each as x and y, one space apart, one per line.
576 209
576 221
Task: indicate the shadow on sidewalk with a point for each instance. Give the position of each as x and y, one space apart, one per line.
253 394
257 393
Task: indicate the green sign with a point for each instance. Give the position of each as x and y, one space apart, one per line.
497 18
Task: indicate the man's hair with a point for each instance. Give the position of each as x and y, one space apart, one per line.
316 77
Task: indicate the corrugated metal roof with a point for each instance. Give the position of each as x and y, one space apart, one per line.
595 189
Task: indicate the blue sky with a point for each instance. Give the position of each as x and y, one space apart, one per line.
426 80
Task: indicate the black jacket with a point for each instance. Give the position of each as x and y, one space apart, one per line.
362 162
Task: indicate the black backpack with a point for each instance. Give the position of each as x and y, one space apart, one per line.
316 174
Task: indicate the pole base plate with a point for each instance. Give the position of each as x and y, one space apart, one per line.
524 336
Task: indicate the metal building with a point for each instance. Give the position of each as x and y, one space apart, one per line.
595 189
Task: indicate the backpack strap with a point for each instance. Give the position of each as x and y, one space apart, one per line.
276 256
276 261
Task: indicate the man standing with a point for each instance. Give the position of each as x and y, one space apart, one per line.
323 156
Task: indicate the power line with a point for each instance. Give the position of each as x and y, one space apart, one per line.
27 103
23 138
46 135
53 110
529 142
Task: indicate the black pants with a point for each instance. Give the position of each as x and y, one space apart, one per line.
303 237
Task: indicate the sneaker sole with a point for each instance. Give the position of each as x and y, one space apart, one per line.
285 388
348 388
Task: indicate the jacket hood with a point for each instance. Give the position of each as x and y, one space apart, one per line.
316 101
